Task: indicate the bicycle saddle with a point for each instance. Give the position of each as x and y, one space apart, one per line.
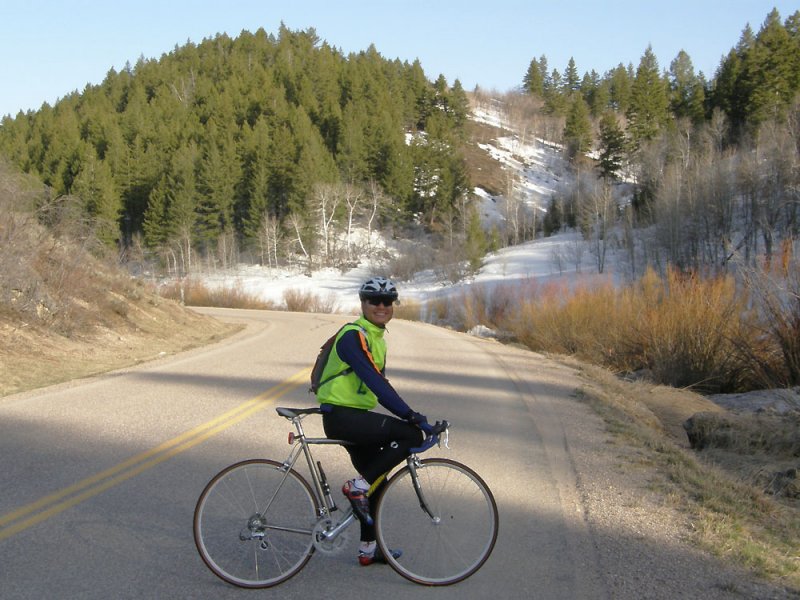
291 413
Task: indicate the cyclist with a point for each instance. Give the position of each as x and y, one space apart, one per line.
354 382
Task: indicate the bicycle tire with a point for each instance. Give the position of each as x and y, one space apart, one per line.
253 523
446 551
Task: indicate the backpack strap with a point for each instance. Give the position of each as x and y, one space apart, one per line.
349 369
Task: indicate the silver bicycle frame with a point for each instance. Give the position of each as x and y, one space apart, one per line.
327 504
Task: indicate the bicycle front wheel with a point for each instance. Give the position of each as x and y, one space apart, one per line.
253 523
454 540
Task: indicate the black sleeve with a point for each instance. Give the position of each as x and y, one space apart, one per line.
354 353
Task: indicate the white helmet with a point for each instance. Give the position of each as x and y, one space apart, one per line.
378 287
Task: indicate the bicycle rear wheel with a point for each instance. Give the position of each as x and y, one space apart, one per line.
452 543
253 523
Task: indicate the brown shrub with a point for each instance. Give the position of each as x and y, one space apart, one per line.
192 292
300 301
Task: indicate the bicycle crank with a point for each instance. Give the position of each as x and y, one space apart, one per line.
326 544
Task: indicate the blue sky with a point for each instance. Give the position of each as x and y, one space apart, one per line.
50 48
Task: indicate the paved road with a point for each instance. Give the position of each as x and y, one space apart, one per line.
98 478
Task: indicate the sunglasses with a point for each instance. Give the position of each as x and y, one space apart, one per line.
377 301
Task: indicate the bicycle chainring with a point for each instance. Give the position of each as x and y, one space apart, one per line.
329 546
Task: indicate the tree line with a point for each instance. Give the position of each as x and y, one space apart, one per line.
756 81
263 142
713 165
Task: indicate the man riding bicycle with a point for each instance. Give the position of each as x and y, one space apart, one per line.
353 383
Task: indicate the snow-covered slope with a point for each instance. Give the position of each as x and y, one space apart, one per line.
539 171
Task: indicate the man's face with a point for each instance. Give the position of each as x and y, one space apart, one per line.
378 311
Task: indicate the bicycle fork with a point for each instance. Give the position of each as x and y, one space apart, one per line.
414 463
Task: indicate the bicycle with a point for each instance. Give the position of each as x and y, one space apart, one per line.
258 522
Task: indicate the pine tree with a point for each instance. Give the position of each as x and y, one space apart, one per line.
458 106
219 175
620 82
601 98
578 128
612 146
728 94
555 101
95 186
533 81
649 104
769 73
476 242
143 120
571 80
685 88
257 179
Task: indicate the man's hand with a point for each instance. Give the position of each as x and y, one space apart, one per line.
417 419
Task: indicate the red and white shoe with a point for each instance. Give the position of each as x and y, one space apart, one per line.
359 501
366 559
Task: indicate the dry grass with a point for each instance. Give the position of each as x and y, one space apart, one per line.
729 512
485 171
196 293
65 313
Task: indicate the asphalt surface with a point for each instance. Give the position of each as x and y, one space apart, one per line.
99 478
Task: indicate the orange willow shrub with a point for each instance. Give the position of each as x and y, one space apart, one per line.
775 289
686 330
690 330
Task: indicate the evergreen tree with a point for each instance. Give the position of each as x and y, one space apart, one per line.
612 146
769 72
170 216
601 98
219 174
578 128
533 81
282 170
95 187
728 94
686 91
649 104
555 101
352 151
314 163
552 221
590 89
256 174
458 106
571 80
620 82
476 243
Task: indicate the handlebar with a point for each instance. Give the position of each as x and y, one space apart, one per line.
432 433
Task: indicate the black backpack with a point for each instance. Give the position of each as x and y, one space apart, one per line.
322 360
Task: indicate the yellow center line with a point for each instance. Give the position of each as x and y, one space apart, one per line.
91 486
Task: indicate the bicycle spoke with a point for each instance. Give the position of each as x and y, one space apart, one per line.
454 544
247 546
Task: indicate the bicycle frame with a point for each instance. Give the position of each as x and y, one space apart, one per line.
327 505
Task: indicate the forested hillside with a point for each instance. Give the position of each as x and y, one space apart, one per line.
714 163
277 147
250 143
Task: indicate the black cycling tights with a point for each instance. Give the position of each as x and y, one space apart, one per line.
382 442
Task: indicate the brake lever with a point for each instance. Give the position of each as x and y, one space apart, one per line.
446 434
